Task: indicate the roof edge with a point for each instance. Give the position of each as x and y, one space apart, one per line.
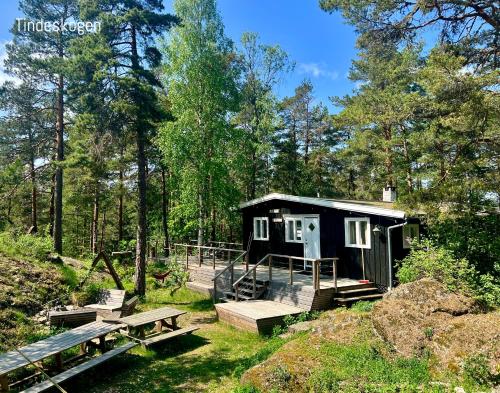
355 207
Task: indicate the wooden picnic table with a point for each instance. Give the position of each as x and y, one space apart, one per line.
53 346
159 316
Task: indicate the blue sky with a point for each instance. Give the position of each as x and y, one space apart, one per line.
321 45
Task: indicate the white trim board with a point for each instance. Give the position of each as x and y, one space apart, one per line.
355 207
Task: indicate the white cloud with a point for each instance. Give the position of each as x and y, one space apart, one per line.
4 77
317 70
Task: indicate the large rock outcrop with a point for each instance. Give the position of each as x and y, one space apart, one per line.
425 316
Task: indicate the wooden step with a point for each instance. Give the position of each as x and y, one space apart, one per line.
347 300
167 336
240 295
80 368
360 291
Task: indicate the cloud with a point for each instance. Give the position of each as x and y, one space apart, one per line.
317 70
4 77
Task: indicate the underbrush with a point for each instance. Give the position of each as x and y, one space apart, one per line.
30 247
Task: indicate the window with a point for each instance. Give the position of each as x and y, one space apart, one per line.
357 232
261 228
293 229
410 233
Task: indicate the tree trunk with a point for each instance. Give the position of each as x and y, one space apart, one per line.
201 220
95 222
164 211
140 253
58 208
120 203
34 192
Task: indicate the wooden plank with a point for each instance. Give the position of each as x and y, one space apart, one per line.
12 360
80 368
151 316
168 336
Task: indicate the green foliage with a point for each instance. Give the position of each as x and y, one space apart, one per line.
89 294
289 320
32 247
176 278
362 306
324 381
476 368
427 259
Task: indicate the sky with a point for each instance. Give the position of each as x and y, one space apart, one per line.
321 45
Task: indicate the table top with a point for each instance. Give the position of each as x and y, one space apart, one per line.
13 360
146 317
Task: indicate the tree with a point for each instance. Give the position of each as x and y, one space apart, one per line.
262 68
126 40
472 25
43 53
200 146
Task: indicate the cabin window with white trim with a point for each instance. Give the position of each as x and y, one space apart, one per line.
357 232
411 232
261 228
293 230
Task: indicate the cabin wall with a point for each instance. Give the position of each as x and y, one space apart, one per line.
332 239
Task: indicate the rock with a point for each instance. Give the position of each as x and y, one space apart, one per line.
425 316
301 327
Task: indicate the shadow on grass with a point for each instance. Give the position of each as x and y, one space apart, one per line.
166 369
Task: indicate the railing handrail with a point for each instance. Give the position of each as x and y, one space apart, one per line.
208 247
229 266
250 270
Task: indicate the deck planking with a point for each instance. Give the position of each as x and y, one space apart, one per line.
146 317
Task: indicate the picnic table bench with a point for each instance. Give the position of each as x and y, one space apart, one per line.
160 316
54 346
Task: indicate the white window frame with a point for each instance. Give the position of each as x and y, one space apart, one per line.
262 221
292 220
357 220
406 238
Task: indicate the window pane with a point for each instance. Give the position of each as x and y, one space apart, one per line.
352 232
264 229
298 229
363 226
257 229
290 230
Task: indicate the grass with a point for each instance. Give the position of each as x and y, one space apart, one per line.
210 360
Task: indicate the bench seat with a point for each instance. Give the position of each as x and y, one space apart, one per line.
168 336
42 386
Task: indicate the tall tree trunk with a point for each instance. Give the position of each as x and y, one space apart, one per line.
120 199
58 189
140 253
34 192
201 218
164 211
52 204
213 226
103 231
95 222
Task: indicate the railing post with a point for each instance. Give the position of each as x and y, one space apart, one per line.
229 257
270 268
290 267
314 275
236 290
232 275
247 257
200 257
254 280
215 291
213 259
187 257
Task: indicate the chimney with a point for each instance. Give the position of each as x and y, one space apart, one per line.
389 194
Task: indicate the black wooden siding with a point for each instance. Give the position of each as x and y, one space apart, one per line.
332 240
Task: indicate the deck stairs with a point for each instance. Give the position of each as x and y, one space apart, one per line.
246 290
346 296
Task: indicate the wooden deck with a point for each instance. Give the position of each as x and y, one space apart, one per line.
257 316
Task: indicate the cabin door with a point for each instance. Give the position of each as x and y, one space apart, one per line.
311 240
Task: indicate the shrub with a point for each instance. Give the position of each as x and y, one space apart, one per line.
476 368
33 247
362 306
458 275
89 294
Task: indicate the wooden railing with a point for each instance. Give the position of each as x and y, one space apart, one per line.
227 252
316 271
229 267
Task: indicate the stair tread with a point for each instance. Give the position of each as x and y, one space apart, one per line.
355 299
349 291
240 296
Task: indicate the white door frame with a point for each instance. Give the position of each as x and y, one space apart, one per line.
304 231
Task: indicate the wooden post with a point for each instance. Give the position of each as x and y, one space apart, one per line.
200 257
254 280
236 292
290 267
270 268
247 257
59 362
187 258
229 258
213 259
214 296
314 275
232 274
83 348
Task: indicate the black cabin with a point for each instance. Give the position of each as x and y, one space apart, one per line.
358 233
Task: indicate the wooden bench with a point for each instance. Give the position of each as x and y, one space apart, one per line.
79 369
111 300
167 336
72 318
